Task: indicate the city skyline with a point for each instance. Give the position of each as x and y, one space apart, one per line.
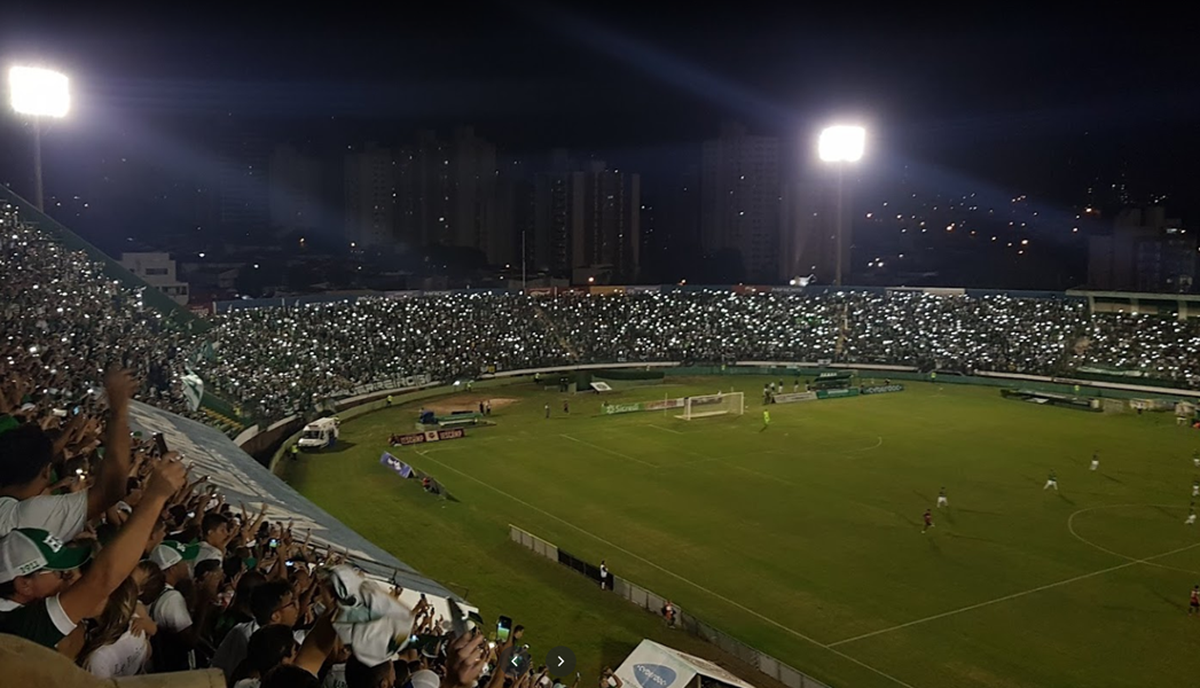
955 111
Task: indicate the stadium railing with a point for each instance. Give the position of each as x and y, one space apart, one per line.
653 603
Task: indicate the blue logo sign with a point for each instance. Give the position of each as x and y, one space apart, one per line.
654 675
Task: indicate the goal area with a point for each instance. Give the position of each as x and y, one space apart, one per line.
733 403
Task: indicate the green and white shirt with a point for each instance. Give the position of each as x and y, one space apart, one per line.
43 622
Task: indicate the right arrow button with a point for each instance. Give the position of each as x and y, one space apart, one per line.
560 661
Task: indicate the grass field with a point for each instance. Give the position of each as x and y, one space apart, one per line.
804 539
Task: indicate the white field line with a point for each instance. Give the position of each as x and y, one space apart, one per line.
618 548
1015 595
611 451
1071 529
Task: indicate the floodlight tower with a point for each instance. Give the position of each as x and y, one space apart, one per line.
38 93
841 145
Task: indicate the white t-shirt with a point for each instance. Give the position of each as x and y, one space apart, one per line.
126 657
207 552
232 649
335 677
248 683
170 611
64 516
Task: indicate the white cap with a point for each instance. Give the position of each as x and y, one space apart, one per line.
170 553
424 679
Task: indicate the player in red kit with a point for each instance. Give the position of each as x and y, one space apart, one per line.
1194 602
928 520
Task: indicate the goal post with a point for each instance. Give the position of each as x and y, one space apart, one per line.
732 403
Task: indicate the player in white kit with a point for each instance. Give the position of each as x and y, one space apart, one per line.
942 498
1095 461
1191 519
1051 481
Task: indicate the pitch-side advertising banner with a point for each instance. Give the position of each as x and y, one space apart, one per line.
430 436
792 397
881 389
836 393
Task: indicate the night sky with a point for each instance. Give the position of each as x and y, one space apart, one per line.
1026 100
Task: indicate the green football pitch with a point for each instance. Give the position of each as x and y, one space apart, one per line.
803 539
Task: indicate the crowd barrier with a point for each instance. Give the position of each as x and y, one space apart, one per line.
653 603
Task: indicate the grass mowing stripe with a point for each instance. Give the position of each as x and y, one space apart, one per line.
692 583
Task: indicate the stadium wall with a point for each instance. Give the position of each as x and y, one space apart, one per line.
653 603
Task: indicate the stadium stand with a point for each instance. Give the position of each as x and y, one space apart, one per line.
181 566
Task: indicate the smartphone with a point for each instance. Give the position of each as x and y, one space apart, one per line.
290 564
458 621
160 443
273 543
503 628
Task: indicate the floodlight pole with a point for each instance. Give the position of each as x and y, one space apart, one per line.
37 164
837 280
524 284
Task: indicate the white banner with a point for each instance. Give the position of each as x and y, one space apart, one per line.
651 665
193 390
791 397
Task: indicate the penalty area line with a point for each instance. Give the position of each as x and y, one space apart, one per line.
672 574
610 451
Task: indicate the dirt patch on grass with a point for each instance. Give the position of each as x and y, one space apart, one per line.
466 402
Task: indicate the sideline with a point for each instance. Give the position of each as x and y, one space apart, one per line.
1015 595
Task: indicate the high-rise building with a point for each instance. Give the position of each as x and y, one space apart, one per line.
557 210
1145 251
607 236
295 190
370 184
472 189
242 183
740 199
423 191
446 192
513 216
809 225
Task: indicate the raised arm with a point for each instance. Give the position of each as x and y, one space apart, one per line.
114 468
119 557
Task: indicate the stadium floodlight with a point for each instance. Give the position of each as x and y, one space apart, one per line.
36 93
840 145
39 92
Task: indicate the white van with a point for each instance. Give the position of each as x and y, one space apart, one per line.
320 433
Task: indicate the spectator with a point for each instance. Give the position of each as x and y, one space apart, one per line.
32 562
359 675
267 648
27 454
216 533
239 610
115 646
179 632
271 603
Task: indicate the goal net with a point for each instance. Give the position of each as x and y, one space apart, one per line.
713 405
